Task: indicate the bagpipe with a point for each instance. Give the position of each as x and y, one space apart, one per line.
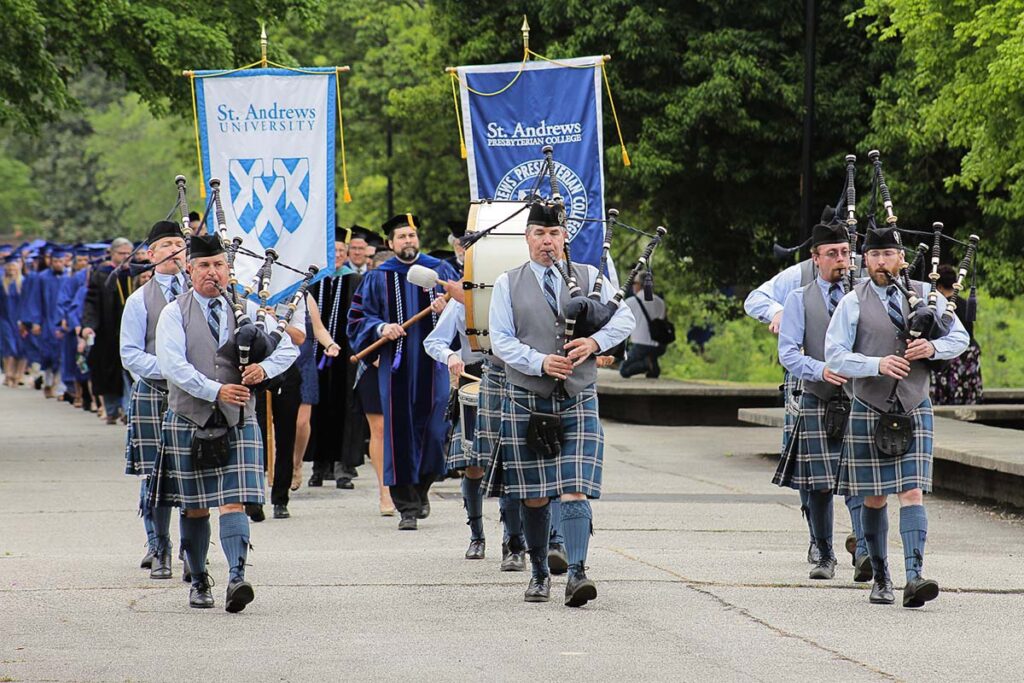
254 342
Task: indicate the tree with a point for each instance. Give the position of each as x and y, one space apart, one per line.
145 44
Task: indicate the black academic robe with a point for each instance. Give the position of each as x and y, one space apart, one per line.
104 303
338 425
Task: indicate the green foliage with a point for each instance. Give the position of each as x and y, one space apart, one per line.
19 199
999 329
145 44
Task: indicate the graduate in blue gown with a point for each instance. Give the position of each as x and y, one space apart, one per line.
71 304
11 345
413 387
44 312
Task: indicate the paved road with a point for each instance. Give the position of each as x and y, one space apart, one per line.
698 558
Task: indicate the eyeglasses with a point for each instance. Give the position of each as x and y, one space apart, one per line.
836 253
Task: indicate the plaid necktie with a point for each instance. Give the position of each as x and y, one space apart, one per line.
835 293
895 308
549 291
174 289
214 320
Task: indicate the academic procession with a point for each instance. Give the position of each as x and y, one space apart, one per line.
287 432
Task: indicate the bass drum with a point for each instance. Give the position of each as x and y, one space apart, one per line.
504 248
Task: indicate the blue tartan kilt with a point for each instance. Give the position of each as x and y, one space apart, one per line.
488 416
812 463
145 418
791 407
175 482
866 472
576 469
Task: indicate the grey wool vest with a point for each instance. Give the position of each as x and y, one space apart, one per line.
153 298
807 272
538 328
219 364
816 320
877 336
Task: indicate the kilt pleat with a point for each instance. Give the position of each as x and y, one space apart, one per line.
145 417
813 461
790 384
864 471
578 466
177 483
488 416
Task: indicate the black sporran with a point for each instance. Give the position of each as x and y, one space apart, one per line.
210 447
837 415
894 433
544 434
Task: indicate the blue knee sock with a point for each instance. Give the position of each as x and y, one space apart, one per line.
577 521
556 522
195 539
234 541
536 527
819 504
854 505
146 513
805 511
512 523
473 501
913 531
876 534
161 519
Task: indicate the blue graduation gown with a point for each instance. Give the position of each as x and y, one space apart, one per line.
11 344
413 386
71 303
47 314
27 309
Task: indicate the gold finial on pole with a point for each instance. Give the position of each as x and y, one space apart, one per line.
263 45
526 36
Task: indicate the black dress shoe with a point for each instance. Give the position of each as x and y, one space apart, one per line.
407 523
539 589
512 561
201 594
862 569
239 595
255 512
881 591
344 484
558 559
316 480
579 590
424 510
147 561
825 569
851 547
476 550
281 512
813 554
161 568
919 591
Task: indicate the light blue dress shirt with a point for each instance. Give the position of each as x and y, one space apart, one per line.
174 365
133 329
842 332
452 322
764 302
527 360
791 335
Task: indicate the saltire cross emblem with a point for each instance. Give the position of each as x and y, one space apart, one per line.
269 204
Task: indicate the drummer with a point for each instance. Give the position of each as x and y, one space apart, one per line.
463 365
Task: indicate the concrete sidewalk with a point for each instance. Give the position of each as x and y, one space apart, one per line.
697 556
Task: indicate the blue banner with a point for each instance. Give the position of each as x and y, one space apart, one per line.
268 135
547 104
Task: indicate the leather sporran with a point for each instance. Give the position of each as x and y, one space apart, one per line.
210 446
837 415
894 434
544 434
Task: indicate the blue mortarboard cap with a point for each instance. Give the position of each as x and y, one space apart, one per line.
61 251
13 257
36 244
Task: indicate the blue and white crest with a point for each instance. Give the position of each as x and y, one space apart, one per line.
269 203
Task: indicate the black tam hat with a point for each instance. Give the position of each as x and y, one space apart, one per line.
194 216
882 238
457 228
162 229
206 245
543 214
402 220
829 233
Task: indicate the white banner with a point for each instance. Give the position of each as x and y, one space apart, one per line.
268 135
